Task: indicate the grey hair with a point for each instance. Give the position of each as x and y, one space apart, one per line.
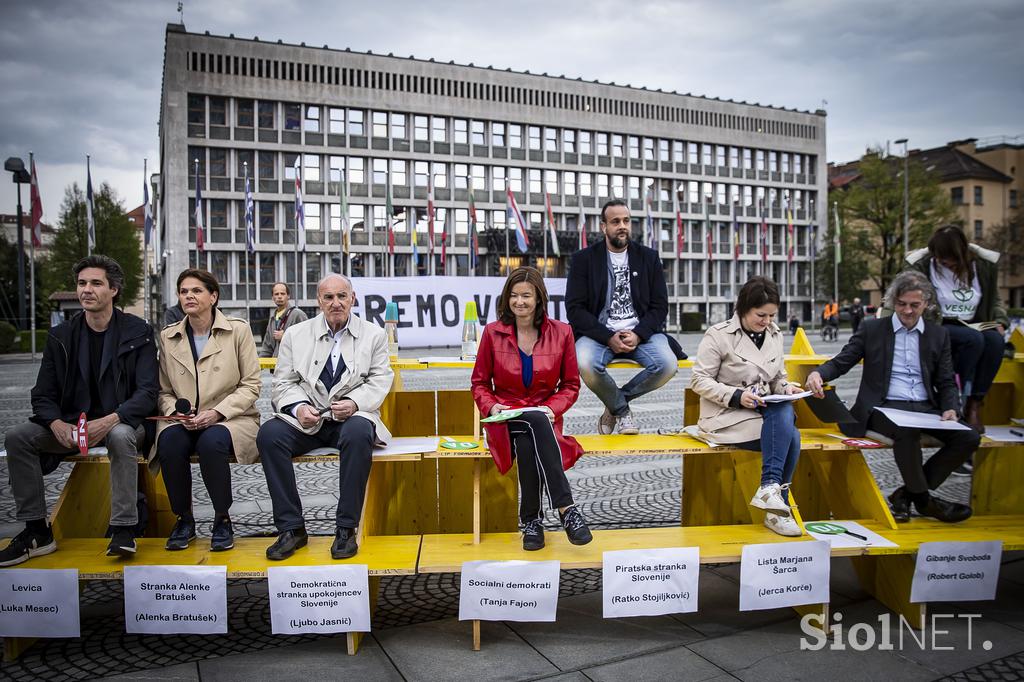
910 280
329 275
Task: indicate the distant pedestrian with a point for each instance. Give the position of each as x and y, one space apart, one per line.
283 316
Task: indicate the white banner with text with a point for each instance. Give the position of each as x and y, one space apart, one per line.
650 582
164 600
39 602
956 571
525 591
778 574
431 309
319 599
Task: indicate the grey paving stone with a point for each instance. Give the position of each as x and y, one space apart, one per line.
185 672
323 659
443 650
772 652
951 641
567 677
718 601
583 637
673 664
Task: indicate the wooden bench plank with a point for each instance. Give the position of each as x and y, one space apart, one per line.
382 554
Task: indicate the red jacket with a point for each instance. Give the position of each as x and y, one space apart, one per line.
497 378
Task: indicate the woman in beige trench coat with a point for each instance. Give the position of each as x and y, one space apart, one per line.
738 363
209 361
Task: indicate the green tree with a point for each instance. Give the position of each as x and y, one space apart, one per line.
9 285
115 237
872 213
853 262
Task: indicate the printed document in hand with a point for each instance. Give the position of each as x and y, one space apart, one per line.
920 420
778 398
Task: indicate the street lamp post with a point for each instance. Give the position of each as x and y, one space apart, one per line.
20 177
906 195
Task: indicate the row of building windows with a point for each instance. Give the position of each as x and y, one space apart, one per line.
439 129
685 278
957 196
256 67
358 172
275 224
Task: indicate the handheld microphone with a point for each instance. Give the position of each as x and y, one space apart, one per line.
182 406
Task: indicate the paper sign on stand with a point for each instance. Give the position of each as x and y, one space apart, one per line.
650 582
525 591
781 574
176 600
956 571
319 599
39 602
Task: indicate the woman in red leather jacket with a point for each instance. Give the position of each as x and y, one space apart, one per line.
528 360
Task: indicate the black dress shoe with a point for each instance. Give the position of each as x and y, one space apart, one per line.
223 535
286 544
900 504
182 535
533 535
344 545
575 526
944 510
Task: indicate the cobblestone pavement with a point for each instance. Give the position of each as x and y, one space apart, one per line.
611 491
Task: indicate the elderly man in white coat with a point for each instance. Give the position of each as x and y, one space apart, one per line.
332 376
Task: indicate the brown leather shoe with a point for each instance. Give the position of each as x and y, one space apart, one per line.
972 414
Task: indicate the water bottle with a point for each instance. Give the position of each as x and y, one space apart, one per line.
470 332
391 329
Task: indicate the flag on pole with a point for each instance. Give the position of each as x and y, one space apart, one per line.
474 243
651 234
680 227
90 222
36 210
147 210
346 227
581 225
764 233
735 234
516 220
300 211
200 240
835 237
412 239
250 219
789 229
551 224
430 216
390 217
707 225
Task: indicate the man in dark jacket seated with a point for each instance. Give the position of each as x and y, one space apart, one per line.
907 366
616 301
101 362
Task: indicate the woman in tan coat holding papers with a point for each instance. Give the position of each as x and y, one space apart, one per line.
738 363
210 376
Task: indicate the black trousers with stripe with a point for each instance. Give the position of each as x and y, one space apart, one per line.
539 458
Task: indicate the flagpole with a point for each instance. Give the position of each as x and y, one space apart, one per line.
508 224
145 252
298 185
90 224
245 167
812 252
835 250
679 257
545 231
707 284
32 258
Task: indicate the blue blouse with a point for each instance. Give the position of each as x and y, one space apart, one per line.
527 362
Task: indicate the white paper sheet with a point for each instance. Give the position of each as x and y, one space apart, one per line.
408 445
778 398
1005 433
920 420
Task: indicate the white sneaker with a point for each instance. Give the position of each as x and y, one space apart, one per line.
606 423
769 498
628 427
783 525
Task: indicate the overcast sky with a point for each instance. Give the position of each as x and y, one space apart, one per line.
81 78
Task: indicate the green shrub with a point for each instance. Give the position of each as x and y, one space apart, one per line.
7 333
691 322
25 344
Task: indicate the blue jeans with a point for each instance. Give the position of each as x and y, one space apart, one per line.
779 444
655 356
976 357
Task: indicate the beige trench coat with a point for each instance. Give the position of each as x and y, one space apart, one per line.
229 380
304 350
728 360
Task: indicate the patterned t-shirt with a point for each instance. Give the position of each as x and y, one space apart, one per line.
620 312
